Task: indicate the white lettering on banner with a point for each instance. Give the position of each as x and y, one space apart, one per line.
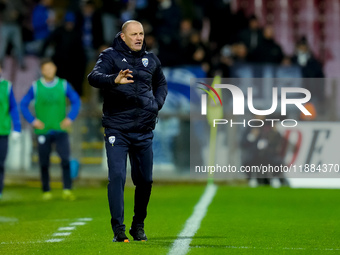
255 122
312 143
238 100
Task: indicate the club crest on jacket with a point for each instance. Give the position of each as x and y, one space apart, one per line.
145 62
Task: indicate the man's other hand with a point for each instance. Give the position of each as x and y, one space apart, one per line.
66 123
38 124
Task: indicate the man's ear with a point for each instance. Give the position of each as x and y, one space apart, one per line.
122 36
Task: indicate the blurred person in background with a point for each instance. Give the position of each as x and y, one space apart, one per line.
142 9
89 21
269 51
221 18
252 38
263 146
311 67
128 11
111 10
69 55
134 91
166 24
43 21
51 123
196 52
230 55
151 43
8 113
185 32
193 50
11 14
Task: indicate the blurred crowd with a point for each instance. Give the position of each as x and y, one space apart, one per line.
180 32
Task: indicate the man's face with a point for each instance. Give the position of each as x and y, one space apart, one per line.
48 71
133 36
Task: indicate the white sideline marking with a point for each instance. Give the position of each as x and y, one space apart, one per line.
62 220
181 244
269 248
85 219
77 223
80 222
29 242
66 228
207 246
62 234
8 219
54 240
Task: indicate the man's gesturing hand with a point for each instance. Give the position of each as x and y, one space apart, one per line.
122 77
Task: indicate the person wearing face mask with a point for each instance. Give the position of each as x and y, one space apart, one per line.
8 113
134 91
311 67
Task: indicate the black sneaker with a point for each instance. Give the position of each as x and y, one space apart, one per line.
121 237
138 234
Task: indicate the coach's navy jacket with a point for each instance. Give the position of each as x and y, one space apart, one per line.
131 107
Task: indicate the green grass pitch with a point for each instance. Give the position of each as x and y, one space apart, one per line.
240 220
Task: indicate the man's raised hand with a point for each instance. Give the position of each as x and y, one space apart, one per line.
122 77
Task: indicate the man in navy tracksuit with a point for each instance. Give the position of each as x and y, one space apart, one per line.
134 91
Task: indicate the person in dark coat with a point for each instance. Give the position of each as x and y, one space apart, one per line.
89 21
262 146
252 38
269 51
69 55
311 67
167 28
134 91
11 13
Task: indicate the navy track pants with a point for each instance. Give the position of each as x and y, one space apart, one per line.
62 143
139 147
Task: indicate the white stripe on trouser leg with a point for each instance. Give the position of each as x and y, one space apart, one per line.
181 244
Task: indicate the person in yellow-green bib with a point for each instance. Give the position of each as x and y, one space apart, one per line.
51 122
9 115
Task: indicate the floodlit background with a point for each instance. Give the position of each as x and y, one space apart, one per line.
237 39
295 39
194 40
